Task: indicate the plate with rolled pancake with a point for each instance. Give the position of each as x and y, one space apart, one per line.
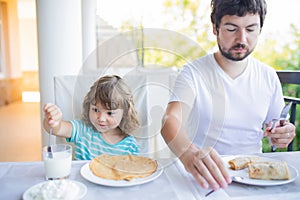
260 171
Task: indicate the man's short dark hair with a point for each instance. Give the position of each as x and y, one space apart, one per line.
220 8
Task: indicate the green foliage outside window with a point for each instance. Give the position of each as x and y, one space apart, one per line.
196 26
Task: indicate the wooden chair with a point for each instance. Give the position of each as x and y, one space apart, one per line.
290 77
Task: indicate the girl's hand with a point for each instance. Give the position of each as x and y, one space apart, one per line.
52 115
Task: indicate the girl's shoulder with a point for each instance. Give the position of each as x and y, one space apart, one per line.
129 138
132 144
78 126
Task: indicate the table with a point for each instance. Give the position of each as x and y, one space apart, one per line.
174 183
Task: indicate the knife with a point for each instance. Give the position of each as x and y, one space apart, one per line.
283 116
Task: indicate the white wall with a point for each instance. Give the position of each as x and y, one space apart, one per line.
28 35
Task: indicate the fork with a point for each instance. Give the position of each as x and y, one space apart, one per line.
283 116
234 178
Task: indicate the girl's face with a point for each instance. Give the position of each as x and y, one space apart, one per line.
105 121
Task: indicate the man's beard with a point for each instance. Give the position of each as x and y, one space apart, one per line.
238 57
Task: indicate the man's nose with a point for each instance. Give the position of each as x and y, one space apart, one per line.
241 36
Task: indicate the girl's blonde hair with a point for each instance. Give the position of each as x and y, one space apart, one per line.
113 93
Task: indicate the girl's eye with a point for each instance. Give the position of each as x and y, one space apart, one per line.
110 113
95 109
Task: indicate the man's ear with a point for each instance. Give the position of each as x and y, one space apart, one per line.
215 31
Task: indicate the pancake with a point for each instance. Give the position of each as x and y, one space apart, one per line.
242 162
122 167
269 171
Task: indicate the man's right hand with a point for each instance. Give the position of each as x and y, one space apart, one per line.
207 167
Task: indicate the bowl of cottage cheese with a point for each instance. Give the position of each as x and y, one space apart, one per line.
56 190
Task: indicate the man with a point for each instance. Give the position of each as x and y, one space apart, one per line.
220 101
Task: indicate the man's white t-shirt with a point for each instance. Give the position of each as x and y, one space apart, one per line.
227 113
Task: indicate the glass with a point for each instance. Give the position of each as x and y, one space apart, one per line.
57 162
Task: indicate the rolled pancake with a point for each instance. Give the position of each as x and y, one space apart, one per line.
269 171
242 162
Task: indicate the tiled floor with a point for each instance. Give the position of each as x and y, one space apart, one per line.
20 132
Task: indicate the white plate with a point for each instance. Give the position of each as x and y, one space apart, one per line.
81 192
88 175
246 180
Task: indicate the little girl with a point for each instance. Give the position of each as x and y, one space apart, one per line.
108 119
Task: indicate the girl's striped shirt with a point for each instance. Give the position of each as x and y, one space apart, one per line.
89 143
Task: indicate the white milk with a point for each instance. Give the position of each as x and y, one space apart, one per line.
59 166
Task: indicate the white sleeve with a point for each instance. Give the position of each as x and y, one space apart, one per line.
184 87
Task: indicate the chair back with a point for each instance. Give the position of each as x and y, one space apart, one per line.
151 90
290 77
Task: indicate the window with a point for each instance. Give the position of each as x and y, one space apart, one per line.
192 19
123 25
3 39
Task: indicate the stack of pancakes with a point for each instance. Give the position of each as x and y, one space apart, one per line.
122 167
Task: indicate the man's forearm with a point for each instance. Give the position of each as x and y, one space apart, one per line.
175 135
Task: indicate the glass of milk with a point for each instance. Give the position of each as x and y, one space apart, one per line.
57 162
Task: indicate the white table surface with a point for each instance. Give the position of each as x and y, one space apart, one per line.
174 183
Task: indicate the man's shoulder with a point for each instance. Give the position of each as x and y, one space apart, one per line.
205 58
202 61
255 61
260 66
